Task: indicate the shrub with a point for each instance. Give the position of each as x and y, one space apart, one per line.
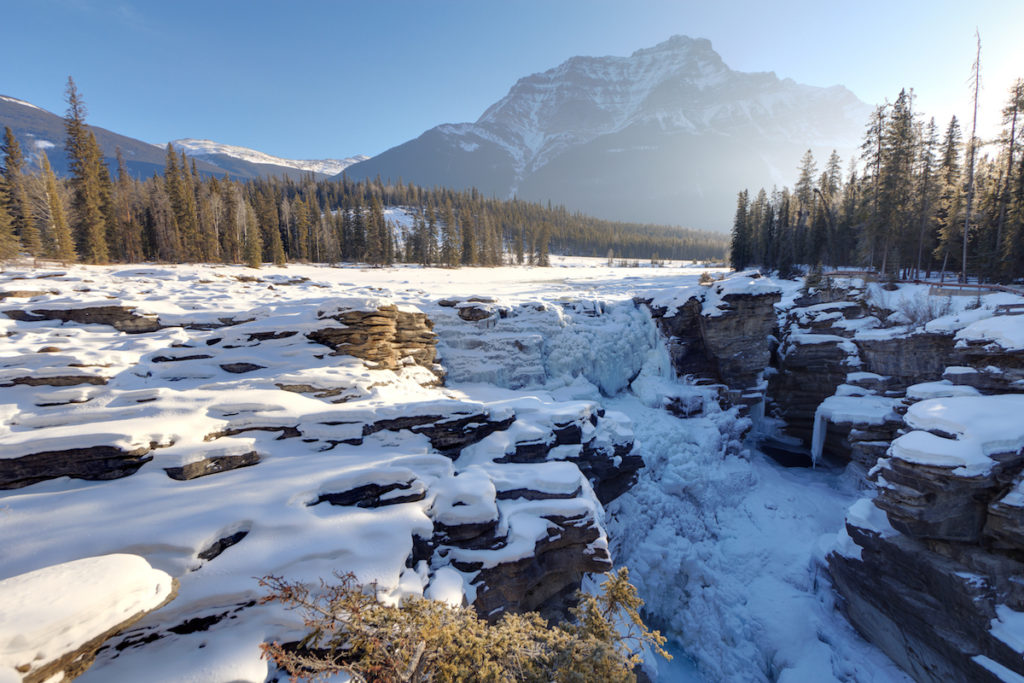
706 279
923 308
351 631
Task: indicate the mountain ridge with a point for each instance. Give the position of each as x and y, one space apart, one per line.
41 131
578 131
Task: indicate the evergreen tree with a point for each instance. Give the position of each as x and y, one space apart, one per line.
84 161
129 233
543 237
469 255
1011 118
739 252
303 225
18 206
896 182
871 155
63 247
450 256
253 240
950 201
8 240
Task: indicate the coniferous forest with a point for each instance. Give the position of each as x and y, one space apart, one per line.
903 206
97 216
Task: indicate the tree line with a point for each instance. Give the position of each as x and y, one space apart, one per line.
96 216
918 200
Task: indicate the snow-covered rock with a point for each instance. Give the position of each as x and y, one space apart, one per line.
54 619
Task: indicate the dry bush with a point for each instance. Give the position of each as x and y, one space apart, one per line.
422 640
921 309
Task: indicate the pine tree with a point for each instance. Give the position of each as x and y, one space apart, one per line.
8 240
18 206
90 225
129 242
430 248
950 201
63 248
926 191
450 256
803 193
253 241
543 238
1011 115
303 224
871 155
469 255
896 182
739 252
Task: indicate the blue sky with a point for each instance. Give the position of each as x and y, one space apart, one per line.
315 79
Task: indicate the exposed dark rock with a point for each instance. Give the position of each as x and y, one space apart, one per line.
175 359
474 313
471 535
448 435
287 432
119 317
241 368
24 293
730 347
531 494
810 369
928 606
556 568
56 381
907 359
685 406
925 501
212 465
222 544
372 495
610 473
96 463
264 336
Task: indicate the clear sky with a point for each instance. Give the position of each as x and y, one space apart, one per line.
317 79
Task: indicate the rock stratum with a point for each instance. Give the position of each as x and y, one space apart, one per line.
928 411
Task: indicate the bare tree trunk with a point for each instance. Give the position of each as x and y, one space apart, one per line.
973 146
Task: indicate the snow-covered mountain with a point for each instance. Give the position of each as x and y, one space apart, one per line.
42 132
211 151
668 134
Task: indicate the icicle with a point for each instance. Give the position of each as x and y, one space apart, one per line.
818 437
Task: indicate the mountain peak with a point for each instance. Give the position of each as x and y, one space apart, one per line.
678 43
665 134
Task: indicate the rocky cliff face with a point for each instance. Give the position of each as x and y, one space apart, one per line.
928 570
926 563
726 340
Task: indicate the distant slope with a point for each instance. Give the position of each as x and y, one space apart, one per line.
228 156
40 131
664 135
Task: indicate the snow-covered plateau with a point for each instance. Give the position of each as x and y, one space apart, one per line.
169 434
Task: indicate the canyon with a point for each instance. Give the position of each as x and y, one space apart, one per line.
500 449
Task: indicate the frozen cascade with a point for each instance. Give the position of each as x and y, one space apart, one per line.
587 344
818 435
725 547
